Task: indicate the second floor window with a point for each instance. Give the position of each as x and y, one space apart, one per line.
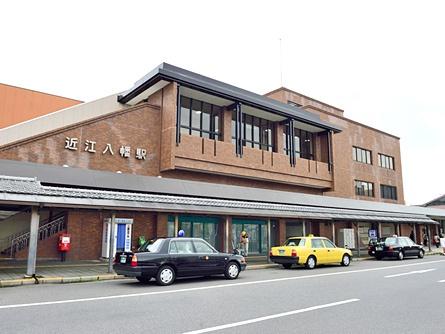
388 192
386 161
361 155
257 132
200 118
363 188
304 143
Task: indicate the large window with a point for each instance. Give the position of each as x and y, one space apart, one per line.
200 118
361 155
363 188
386 161
304 143
388 192
257 132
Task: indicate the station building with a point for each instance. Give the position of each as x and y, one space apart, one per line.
438 203
179 150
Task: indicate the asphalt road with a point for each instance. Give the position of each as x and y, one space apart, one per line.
367 297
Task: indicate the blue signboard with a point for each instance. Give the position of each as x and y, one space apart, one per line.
372 233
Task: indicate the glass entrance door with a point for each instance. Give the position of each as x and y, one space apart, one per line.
199 227
257 231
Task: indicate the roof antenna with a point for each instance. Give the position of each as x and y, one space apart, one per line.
281 65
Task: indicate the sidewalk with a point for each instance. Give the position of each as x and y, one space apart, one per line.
12 272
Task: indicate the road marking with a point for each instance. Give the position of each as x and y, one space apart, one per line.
441 281
273 316
411 272
80 300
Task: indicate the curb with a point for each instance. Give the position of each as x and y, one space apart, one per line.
261 266
107 277
80 279
58 280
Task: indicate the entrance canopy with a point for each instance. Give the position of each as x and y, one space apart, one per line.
29 191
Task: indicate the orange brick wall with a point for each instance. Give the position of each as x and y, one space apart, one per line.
20 104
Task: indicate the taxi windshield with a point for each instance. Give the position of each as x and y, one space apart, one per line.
294 242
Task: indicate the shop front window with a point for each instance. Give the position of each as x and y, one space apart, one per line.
198 227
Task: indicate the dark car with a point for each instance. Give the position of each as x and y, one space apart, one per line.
397 247
168 258
371 245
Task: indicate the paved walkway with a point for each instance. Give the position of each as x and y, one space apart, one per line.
12 272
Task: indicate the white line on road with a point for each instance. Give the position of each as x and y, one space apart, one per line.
273 316
411 272
441 281
80 300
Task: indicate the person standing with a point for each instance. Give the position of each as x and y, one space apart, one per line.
244 241
411 236
425 239
436 240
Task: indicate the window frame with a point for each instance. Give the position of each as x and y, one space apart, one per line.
214 120
264 142
360 184
318 241
386 161
177 248
195 242
300 150
388 192
362 155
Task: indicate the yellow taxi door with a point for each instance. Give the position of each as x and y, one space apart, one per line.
319 250
334 254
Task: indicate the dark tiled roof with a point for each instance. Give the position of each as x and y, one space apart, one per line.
63 196
102 180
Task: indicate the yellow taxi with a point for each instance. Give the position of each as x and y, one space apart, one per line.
309 251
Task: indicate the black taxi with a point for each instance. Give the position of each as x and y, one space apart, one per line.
167 258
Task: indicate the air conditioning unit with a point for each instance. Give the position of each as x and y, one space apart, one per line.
346 238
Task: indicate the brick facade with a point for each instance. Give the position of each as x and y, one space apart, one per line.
151 125
86 229
346 170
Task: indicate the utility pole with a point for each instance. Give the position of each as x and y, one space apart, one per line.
111 243
281 64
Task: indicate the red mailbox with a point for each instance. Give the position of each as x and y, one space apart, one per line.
64 242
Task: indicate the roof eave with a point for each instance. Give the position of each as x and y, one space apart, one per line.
162 72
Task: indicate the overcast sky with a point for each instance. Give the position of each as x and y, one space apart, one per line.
380 61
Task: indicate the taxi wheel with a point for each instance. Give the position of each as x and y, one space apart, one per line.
232 270
143 279
401 256
166 275
346 260
287 265
421 254
311 262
